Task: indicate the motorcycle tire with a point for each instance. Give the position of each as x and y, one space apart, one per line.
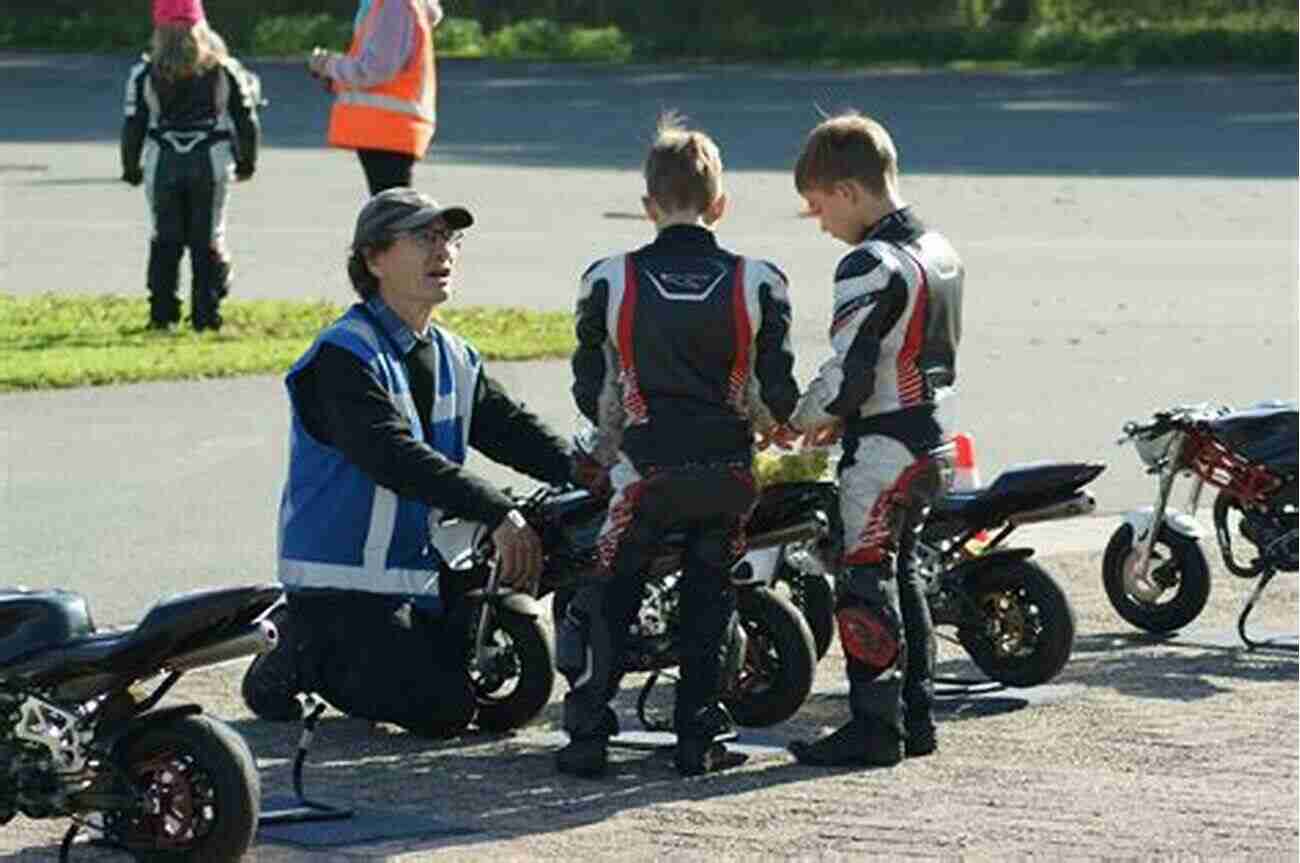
780 660
1024 633
529 664
814 596
221 792
1184 558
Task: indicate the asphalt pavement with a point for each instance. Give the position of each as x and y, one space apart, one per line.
1130 240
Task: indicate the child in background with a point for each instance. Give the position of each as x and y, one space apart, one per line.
191 127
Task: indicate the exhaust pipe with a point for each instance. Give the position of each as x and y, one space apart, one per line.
1081 504
259 637
793 533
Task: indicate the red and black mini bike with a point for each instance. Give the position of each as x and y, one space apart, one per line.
1154 570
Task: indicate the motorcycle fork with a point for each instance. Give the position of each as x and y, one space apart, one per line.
481 656
1168 473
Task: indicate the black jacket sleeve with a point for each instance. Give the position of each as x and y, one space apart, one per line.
773 356
136 124
507 432
589 357
248 131
343 405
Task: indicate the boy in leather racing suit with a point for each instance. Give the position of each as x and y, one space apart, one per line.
191 117
894 332
670 337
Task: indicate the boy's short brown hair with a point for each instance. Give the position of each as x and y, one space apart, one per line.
683 170
849 146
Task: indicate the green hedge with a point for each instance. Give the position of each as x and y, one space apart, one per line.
1239 39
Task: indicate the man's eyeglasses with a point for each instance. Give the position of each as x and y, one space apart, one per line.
433 237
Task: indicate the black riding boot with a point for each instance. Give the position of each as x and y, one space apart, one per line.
873 737
163 281
698 748
587 752
918 681
211 283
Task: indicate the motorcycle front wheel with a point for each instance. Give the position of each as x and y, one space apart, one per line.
1175 589
200 789
780 660
1022 632
515 684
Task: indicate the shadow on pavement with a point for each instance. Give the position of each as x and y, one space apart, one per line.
1182 667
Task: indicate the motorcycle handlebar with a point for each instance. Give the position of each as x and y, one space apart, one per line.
1161 422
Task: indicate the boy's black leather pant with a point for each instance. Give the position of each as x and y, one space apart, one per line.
708 504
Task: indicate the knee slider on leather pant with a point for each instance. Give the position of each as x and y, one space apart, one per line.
868 636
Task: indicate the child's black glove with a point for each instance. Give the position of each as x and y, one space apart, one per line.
133 176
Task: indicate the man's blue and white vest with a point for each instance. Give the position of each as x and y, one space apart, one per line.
338 528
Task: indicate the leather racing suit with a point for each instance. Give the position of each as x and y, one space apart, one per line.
194 134
894 332
674 340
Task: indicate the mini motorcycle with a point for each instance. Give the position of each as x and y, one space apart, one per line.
771 658
78 737
1010 615
1154 570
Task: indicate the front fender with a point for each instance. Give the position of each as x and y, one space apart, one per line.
1179 522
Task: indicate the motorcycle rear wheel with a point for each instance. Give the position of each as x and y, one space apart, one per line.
202 780
1178 558
519 685
780 660
1025 630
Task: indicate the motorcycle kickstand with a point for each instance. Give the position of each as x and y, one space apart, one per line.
305 810
1264 578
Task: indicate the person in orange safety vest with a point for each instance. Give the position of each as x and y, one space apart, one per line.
385 88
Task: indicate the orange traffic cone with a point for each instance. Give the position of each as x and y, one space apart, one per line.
966 475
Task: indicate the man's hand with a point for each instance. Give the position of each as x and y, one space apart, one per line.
318 63
591 474
133 176
519 553
824 435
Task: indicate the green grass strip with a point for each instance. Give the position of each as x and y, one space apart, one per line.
53 341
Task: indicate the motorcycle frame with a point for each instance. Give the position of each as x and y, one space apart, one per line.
1198 453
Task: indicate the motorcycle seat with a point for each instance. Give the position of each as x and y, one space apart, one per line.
1020 487
172 625
180 618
